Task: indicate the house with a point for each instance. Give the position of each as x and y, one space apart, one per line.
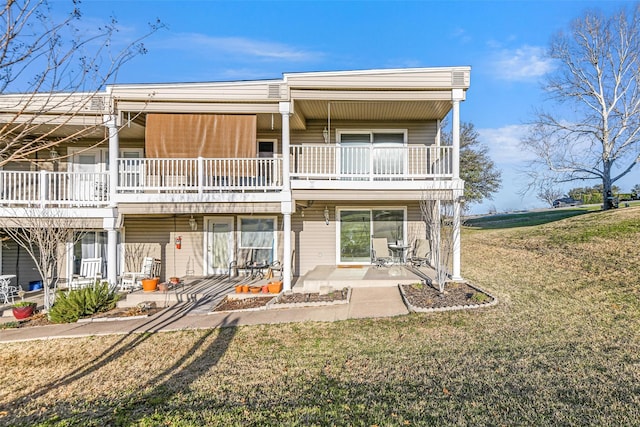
306 169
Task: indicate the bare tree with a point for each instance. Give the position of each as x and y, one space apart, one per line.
438 218
547 192
50 74
598 83
45 234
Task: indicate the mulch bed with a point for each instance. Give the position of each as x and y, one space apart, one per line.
228 304
41 319
300 297
455 294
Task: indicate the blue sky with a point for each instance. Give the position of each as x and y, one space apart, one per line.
503 42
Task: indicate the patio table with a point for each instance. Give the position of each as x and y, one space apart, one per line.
255 269
400 251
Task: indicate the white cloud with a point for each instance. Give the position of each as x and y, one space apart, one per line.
239 46
461 35
504 144
522 64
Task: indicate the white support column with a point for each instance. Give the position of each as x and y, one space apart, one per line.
110 223
286 262
457 96
112 250
114 151
287 203
455 273
285 110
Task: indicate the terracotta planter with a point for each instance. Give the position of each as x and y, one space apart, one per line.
174 280
275 287
255 289
149 285
245 288
265 289
163 287
238 289
23 312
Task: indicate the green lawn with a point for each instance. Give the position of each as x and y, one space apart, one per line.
562 347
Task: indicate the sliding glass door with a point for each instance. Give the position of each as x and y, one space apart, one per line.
358 226
365 155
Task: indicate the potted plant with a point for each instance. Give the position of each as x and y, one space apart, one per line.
23 309
150 284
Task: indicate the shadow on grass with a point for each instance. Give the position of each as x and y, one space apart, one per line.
526 219
137 336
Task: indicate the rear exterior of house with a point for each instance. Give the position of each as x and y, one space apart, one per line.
306 170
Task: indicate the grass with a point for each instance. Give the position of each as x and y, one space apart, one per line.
561 348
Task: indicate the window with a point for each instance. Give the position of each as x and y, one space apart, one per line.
358 226
257 236
92 244
380 152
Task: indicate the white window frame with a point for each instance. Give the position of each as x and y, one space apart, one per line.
339 209
275 146
275 233
371 132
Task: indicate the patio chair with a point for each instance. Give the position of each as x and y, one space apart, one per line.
131 281
6 290
90 272
421 253
381 255
276 267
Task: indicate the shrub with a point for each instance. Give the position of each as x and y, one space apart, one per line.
72 305
24 304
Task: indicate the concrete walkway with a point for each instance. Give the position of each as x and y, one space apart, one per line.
364 303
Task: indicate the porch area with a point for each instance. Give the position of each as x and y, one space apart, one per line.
204 293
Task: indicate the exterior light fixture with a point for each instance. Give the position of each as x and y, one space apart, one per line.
193 223
53 154
325 135
326 215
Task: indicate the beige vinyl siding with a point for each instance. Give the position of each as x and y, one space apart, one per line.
16 260
316 242
381 79
420 133
233 91
155 236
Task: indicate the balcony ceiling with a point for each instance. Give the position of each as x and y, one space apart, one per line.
371 110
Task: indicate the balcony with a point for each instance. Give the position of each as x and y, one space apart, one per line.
242 179
199 175
54 189
377 164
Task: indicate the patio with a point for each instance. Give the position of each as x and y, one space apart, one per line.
204 293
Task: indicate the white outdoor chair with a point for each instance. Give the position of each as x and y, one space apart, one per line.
421 253
6 290
131 281
90 273
381 255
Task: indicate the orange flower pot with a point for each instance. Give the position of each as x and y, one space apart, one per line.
275 287
245 288
238 289
255 289
150 285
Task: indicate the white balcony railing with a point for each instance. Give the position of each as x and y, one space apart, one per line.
199 175
44 188
372 163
